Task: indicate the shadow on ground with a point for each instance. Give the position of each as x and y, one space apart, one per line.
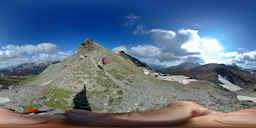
81 101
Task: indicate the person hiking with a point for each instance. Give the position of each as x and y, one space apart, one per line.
104 62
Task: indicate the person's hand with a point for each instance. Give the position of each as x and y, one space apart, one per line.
175 115
10 117
239 119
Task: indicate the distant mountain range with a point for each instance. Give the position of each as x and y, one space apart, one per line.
210 72
182 66
27 68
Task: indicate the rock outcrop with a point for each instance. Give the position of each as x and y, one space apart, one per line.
135 60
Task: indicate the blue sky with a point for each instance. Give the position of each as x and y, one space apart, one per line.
161 33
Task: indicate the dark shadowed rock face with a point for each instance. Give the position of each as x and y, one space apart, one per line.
134 60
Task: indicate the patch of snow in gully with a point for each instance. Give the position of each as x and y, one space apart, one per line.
227 84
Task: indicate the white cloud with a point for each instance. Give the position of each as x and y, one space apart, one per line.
251 55
187 42
14 50
244 59
13 61
187 45
229 54
12 55
145 51
119 49
241 49
62 55
44 57
157 62
170 42
162 36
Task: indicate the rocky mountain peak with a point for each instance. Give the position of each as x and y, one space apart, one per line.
122 52
87 45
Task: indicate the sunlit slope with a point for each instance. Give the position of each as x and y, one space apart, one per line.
83 68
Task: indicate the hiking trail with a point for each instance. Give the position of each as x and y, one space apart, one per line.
118 82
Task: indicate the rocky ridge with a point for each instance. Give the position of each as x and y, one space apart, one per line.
210 72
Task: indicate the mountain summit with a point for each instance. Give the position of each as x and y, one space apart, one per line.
85 68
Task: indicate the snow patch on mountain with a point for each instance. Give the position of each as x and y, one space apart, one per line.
4 100
227 84
178 78
246 98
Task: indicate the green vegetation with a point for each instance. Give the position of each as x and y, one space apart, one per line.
57 98
28 79
117 74
31 106
17 80
99 94
115 101
122 70
10 80
104 81
48 70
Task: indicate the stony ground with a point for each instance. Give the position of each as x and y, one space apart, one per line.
124 87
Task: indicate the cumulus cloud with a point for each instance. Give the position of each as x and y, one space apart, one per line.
13 61
119 49
187 45
14 50
12 55
157 63
44 57
171 42
181 46
229 54
245 59
145 51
